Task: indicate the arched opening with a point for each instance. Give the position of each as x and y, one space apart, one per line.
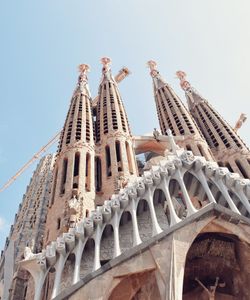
88 173
241 168
195 191
177 199
218 196
98 174
118 155
128 151
126 231
108 161
68 271
107 244
214 269
138 286
48 284
87 261
161 209
64 175
240 206
144 220
188 147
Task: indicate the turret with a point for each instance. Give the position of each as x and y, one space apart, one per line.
73 189
115 159
172 114
228 148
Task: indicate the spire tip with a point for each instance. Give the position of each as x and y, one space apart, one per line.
183 82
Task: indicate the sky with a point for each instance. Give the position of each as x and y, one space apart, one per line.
43 42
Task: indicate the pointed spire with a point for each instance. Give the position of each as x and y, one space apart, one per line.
157 78
192 95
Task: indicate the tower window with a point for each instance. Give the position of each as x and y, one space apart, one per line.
118 155
58 223
108 161
88 173
98 174
54 187
64 175
77 164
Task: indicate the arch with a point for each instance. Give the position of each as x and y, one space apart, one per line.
177 198
64 175
129 158
87 260
98 174
126 231
161 209
108 161
88 172
68 271
144 220
118 155
218 196
241 168
215 255
195 190
140 285
107 244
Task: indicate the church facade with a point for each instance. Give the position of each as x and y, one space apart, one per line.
97 223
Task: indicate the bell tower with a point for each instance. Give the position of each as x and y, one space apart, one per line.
228 148
73 190
172 114
115 160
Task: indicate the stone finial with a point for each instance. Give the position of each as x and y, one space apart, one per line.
153 68
83 79
83 68
106 62
183 82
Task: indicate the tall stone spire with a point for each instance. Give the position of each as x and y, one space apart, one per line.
73 189
227 147
115 159
172 114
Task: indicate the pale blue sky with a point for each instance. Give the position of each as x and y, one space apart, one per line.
43 42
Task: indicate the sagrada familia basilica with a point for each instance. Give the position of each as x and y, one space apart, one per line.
96 222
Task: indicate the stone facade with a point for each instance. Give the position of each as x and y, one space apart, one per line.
179 230
28 229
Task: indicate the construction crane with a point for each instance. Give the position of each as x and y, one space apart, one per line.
123 73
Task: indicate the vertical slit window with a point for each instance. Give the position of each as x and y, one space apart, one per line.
118 155
98 174
108 161
88 173
64 175
227 165
77 164
54 187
